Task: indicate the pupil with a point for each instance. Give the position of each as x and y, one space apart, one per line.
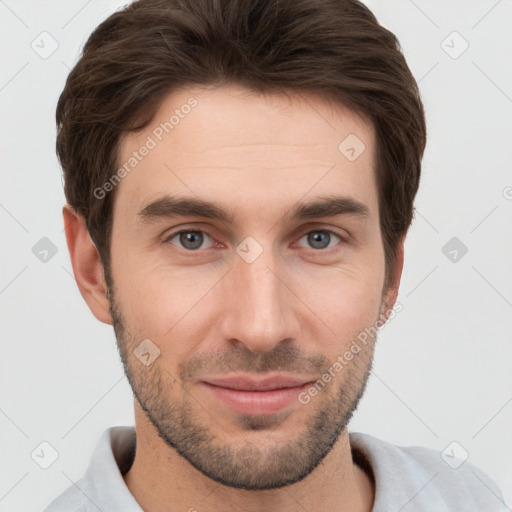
191 239
317 239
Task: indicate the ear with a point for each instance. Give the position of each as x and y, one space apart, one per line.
87 266
391 294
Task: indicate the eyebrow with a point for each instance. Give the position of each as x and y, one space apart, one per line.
168 207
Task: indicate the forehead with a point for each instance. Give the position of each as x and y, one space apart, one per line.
209 142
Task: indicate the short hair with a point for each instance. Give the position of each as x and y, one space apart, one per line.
335 49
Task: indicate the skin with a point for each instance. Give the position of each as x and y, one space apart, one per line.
294 309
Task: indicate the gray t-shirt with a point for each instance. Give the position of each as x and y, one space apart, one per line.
406 479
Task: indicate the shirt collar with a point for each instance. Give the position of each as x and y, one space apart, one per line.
113 456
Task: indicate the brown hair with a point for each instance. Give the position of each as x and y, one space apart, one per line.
332 48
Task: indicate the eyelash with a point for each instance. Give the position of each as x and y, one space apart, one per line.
342 239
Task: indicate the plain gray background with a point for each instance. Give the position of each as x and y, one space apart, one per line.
443 366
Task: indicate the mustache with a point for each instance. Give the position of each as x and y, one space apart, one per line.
282 357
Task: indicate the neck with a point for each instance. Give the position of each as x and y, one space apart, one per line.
161 480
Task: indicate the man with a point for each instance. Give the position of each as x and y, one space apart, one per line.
240 178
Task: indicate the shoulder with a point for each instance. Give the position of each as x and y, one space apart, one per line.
427 477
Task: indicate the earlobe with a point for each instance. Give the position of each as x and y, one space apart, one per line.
87 266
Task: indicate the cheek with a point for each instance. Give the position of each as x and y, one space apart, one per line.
168 306
346 301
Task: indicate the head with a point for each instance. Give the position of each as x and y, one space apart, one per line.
240 178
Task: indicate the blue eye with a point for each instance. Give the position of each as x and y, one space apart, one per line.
320 239
193 240
190 240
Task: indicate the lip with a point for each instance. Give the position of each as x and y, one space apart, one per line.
248 383
257 396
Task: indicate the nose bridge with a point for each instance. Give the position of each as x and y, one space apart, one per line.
258 311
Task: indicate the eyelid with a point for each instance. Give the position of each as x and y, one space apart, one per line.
342 233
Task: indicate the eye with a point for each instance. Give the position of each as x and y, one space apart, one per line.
321 238
191 240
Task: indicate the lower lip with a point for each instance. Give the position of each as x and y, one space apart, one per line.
256 402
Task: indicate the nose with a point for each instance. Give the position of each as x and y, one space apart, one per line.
259 306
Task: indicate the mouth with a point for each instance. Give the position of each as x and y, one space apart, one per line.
256 396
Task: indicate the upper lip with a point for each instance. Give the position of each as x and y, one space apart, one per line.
250 383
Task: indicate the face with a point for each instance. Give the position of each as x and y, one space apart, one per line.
246 259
